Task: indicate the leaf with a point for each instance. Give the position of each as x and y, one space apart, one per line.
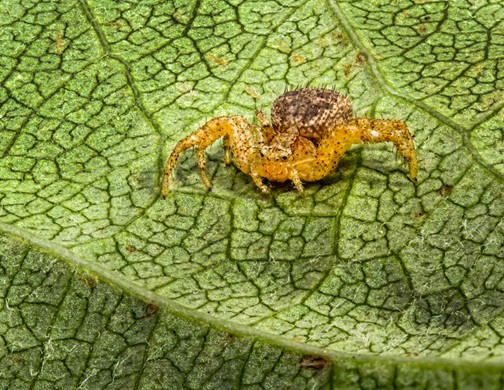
366 281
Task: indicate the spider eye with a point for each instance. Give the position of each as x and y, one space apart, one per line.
284 158
261 154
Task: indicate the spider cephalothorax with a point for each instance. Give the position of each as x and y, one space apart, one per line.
310 130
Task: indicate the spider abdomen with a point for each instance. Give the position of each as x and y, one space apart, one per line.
312 111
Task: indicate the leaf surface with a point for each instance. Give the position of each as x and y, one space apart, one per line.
366 281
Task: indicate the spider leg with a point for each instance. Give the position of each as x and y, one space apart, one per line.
258 182
294 177
201 139
267 129
334 144
395 131
201 159
227 150
167 180
262 118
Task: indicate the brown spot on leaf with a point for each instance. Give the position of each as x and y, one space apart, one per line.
360 59
217 60
337 37
17 360
115 24
131 248
445 191
421 28
151 309
314 361
89 281
347 69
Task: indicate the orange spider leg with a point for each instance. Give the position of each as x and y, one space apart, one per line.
395 131
334 144
201 139
227 150
267 128
304 154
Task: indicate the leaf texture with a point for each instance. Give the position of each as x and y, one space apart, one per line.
366 281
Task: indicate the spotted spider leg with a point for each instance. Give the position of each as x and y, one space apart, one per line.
304 151
241 140
267 128
336 142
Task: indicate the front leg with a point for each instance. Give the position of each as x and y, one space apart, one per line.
201 139
181 146
336 142
201 159
395 131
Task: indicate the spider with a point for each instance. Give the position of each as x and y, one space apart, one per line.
310 130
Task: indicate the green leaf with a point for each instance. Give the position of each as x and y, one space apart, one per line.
366 281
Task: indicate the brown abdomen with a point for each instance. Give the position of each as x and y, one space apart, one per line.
312 111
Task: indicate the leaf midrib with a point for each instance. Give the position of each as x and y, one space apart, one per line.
117 281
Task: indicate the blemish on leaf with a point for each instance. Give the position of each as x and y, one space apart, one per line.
131 248
231 338
151 309
298 59
135 181
360 59
338 36
17 360
313 361
250 91
331 39
115 24
347 69
89 281
217 60
445 191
